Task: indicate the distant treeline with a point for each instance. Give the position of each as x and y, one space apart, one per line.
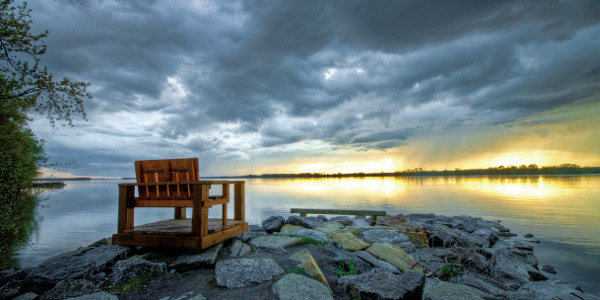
533 169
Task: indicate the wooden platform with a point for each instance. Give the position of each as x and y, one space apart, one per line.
176 227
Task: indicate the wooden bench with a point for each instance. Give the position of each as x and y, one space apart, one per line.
304 211
175 183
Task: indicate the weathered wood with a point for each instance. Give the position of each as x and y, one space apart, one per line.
221 236
338 212
133 240
239 206
163 203
180 213
216 201
224 218
177 227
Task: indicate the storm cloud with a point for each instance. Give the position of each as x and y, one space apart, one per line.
232 81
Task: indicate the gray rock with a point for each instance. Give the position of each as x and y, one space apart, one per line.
274 242
340 254
10 289
346 221
198 297
77 264
205 258
248 235
379 264
310 223
465 223
512 269
12 275
483 237
273 223
549 290
133 268
548 268
312 234
446 290
95 296
297 287
27 296
528 236
483 285
384 236
70 288
238 249
360 222
384 285
322 218
441 238
255 228
233 273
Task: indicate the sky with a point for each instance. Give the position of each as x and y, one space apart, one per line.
252 87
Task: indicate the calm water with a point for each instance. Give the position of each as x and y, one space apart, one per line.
563 212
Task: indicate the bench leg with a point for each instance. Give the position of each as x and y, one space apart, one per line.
374 221
126 208
303 215
180 213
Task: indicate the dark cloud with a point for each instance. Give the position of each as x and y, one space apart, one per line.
275 73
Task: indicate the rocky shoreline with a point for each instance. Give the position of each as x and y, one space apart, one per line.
416 256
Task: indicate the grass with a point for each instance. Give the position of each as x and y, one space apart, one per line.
305 241
346 267
295 270
449 271
132 285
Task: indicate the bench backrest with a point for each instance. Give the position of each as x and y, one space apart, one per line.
167 170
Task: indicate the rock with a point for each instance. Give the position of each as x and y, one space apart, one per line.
395 256
233 273
349 241
441 238
10 289
255 228
74 265
483 237
27 296
481 284
512 269
312 234
14 275
446 290
528 236
248 235
548 268
384 285
384 236
198 297
322 218
70 288
330 228
360 222
238 249
274 242
379 264
273 223
549 290
205 258
310 266
347 257
297 287
419 239
96 296
135 267
289 229
346 221
310 223
465 223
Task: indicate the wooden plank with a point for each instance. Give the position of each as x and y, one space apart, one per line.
213 239
239 198
224 218
180 182
197 200
338 212
164 203
217 201
180 213
122 213
156 241
180 227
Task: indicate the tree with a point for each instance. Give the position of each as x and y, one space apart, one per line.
25 85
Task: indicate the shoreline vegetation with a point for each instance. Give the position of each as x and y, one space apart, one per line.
532 169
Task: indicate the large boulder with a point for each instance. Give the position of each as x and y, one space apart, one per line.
310 223
78 264
312 234
297 287
135 267
550 290
234 273
379 265
70 288
446 290
384 285
483 285
273 223
442 238
310 266
274 242
289 229
10 289
349 241
343 220
379 235
395 256
238 249
206 257
95 296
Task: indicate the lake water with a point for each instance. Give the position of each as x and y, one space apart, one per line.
563 212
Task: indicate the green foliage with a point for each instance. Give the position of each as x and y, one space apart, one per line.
25 85
305 241
295 270
132 285
346 267
449 271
